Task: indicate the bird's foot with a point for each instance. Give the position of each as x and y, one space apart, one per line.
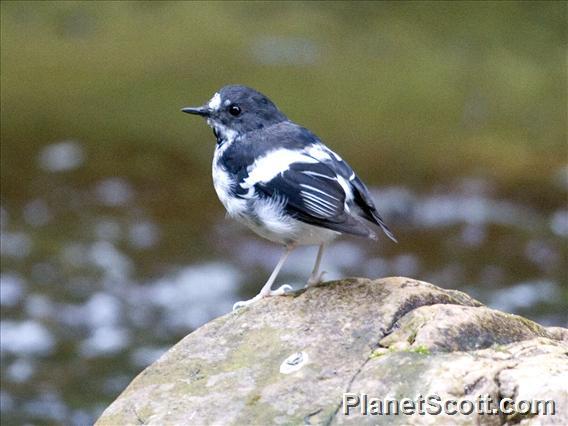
315 279
283 289
280 291
245 303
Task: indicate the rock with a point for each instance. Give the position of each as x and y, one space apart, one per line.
290 360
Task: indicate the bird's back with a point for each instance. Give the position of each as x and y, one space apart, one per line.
288 163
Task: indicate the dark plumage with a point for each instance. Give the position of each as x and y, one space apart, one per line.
279 179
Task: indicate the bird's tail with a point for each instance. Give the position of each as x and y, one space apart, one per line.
368 210
379 221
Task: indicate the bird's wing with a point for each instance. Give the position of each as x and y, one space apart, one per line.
358 194
318 186
310 190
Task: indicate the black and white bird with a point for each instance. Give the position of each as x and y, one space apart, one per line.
280 180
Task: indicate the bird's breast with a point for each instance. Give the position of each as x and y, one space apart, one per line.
224 184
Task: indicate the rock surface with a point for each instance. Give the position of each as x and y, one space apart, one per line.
289 360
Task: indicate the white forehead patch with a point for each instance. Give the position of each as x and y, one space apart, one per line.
215 102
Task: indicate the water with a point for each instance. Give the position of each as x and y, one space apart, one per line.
113 244
91 294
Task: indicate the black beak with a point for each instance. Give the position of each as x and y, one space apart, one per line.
202 111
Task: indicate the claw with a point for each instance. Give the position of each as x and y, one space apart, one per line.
240 305
245 303
283 289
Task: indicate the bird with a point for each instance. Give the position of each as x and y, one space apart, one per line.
279 179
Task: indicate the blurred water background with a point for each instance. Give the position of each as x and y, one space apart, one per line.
114 245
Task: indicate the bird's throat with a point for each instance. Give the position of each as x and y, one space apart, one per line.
222 133
217 136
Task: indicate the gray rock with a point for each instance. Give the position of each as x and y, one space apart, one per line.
289 360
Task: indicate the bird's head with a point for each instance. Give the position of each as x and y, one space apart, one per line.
235 110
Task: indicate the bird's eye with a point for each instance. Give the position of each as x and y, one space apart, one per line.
234 110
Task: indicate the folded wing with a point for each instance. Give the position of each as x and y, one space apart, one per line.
314 196
315 184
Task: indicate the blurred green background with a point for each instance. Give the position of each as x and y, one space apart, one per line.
455 113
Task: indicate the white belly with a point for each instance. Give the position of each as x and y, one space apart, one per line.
266 219
305 234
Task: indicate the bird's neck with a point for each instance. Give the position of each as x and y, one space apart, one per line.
223 134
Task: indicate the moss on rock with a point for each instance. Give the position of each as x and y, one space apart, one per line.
289 360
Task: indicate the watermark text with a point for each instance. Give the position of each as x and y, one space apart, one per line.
361 403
